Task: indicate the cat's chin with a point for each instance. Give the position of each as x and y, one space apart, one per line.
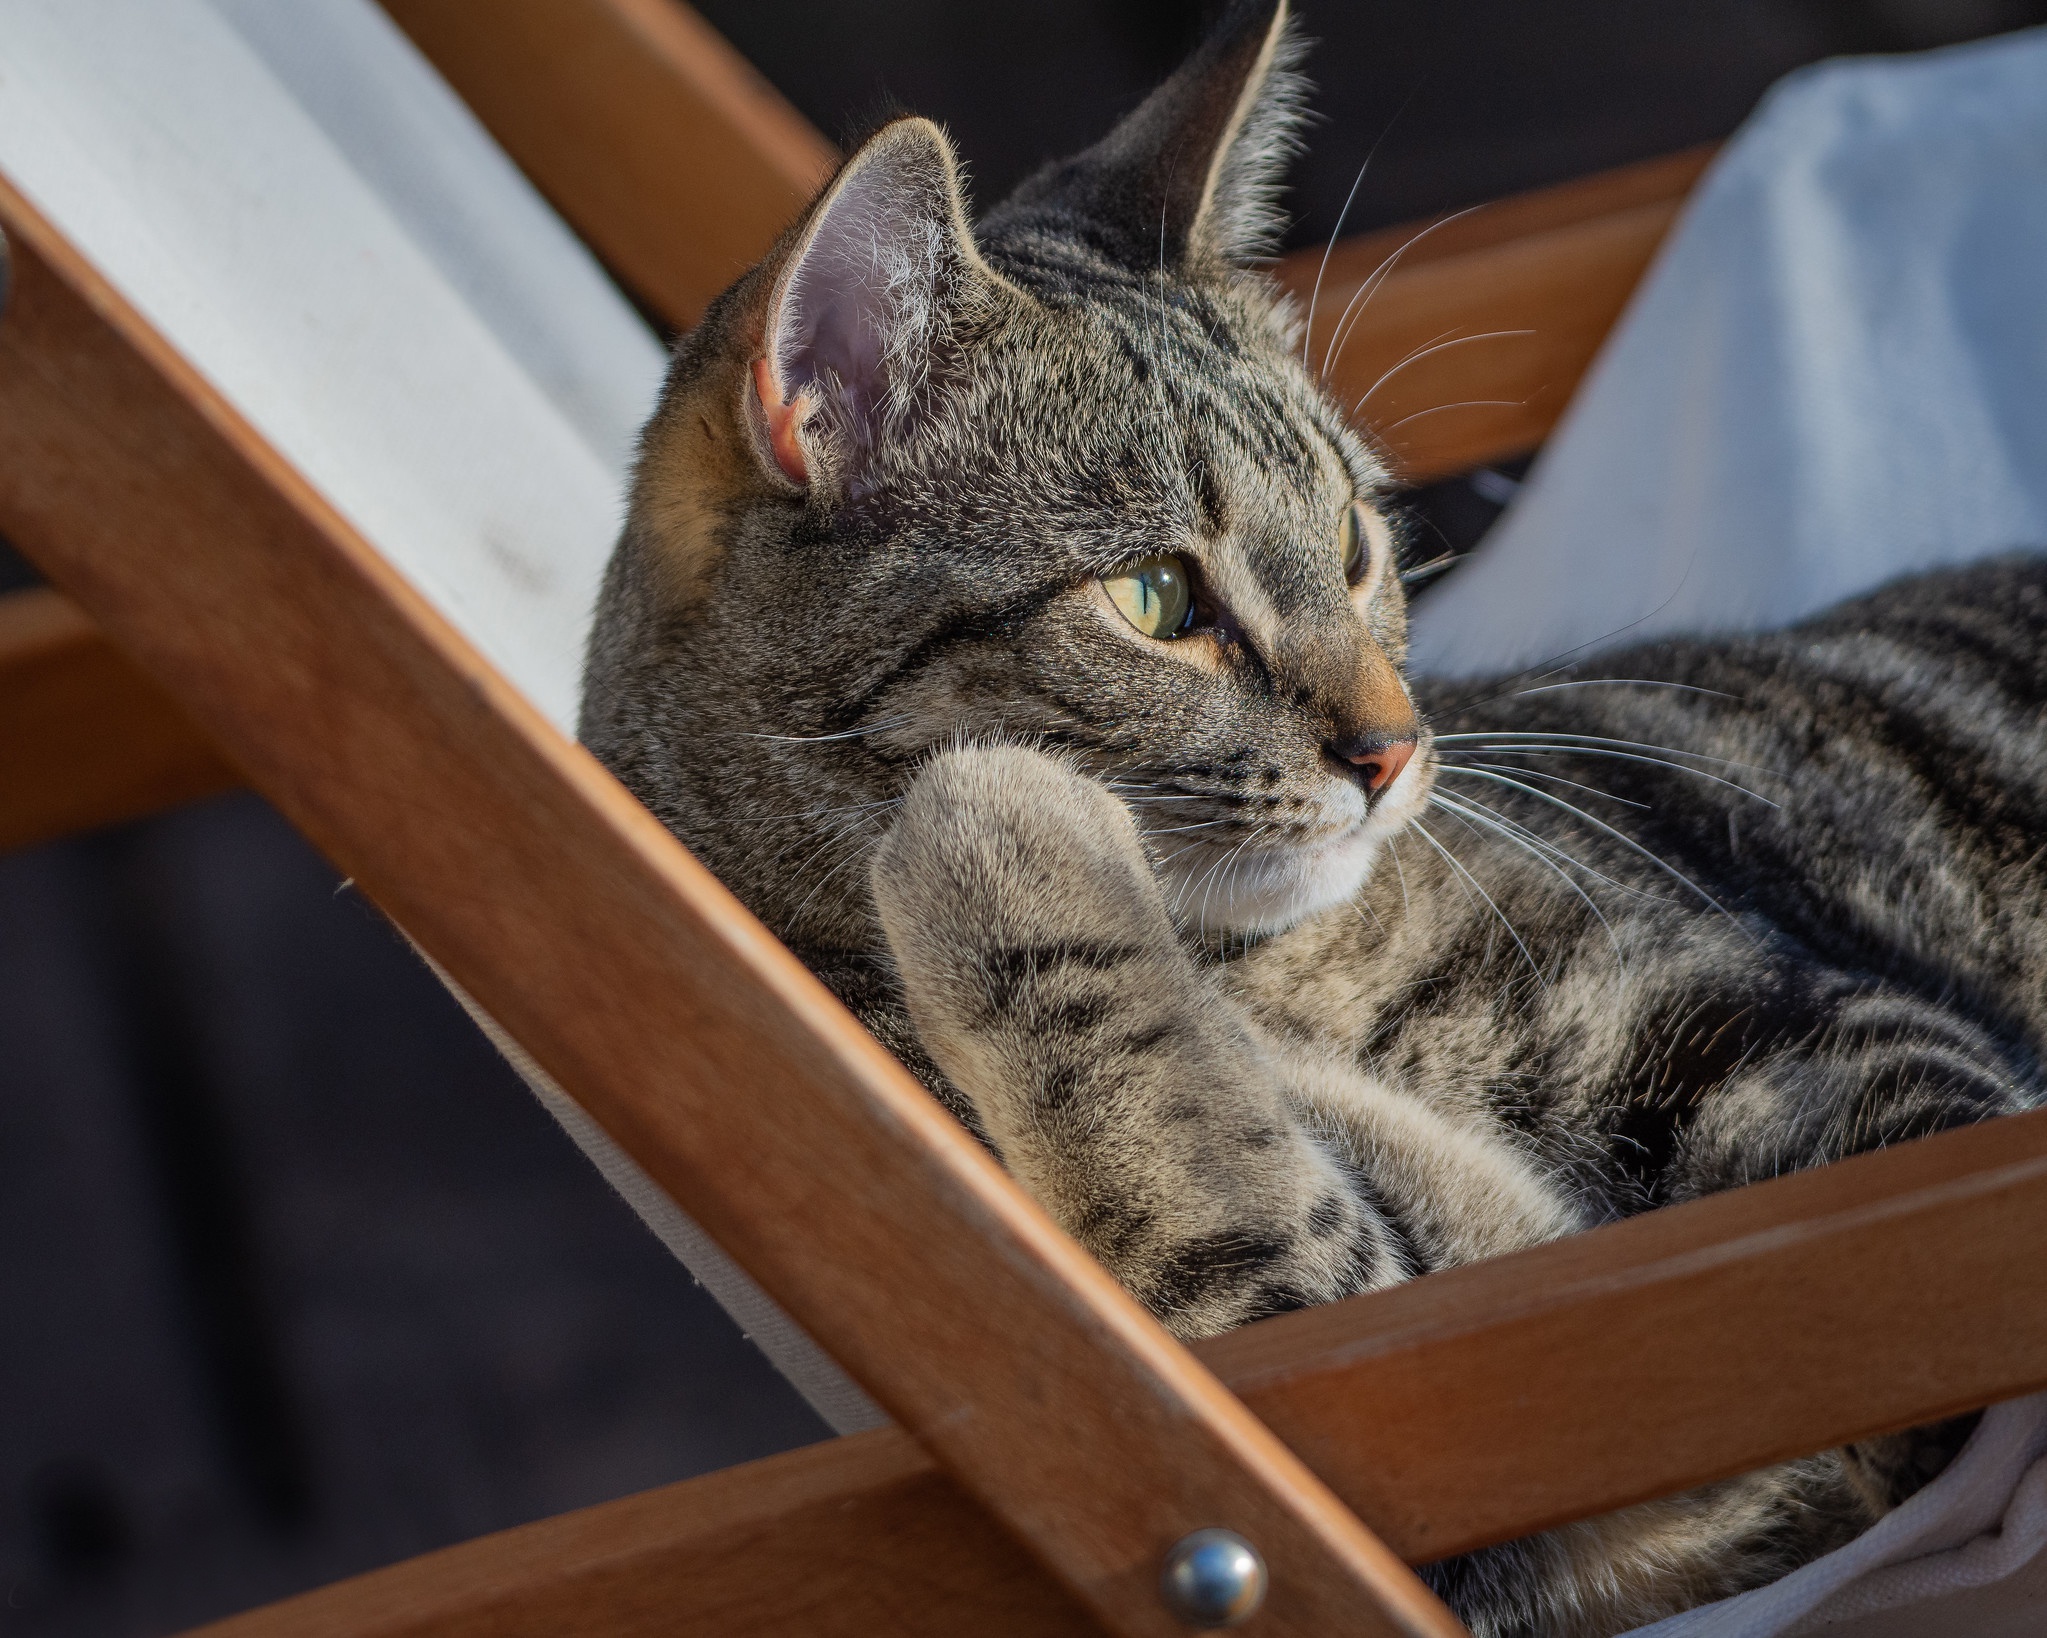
1263 893
1249 893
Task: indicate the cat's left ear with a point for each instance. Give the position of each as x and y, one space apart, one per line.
862 310
1192 176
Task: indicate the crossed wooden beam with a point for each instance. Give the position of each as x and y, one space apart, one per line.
1051 1441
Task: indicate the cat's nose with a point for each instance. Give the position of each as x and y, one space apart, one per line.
1374 760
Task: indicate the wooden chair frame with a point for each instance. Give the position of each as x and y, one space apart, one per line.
1051 1441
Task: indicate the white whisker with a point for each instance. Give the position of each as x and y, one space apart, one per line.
1308 329
1554 779
1429 350
1479 814
817 739
1633 756
1551 848
1534 737
1462 403
833 838
1362 297
1457 865
1620 836
1429 570
1629 756
1624 682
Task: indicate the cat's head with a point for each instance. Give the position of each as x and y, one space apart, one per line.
1060 477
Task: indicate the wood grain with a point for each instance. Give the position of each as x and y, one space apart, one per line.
885 1546
85 739
1468 1408
1679 1347
638 982
661 144
1516 296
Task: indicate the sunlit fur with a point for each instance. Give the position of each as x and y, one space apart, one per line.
1614 938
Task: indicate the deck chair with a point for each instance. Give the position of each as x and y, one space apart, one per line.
1049 1444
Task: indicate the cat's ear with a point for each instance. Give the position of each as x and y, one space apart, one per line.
860 312
1193 175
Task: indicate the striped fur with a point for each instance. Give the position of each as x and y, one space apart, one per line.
1696 915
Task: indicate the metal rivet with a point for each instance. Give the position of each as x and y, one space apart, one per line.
1212 1579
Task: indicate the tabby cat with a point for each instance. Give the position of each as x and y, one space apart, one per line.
1009 617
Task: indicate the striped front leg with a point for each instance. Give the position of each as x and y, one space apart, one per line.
1122 1089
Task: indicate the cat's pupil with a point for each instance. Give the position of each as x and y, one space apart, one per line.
1154 596
1351 539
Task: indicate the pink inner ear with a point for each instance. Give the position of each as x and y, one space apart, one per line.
782 418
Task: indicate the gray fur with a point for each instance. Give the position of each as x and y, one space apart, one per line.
1255 1035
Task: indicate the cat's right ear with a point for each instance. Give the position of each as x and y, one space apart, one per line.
1190 177
860 316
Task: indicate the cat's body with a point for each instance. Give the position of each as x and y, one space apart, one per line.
1169 914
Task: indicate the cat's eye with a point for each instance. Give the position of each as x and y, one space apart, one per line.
1364 541
1155 596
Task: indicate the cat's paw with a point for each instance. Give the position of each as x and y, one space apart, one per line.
1000 847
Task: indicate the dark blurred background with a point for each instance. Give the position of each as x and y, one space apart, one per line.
295 1278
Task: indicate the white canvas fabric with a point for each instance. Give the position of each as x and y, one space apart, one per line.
473 213
1962 1559
289 193
1835 373
161 144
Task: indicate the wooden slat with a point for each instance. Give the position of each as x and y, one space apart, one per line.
1672 1349
859 1538
720 1064
1515 216
660 143
1464 1409
85 739
1558 263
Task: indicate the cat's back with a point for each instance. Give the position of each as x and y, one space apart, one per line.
1872 781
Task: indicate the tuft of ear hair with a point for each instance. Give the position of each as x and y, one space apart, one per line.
862 308
1192 177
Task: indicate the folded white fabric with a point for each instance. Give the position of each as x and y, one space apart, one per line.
1835 373
1947 1564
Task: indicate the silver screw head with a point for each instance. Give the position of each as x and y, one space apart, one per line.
1213 1579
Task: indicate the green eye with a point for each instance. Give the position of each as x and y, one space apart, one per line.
1153 596
1363 538
1350 540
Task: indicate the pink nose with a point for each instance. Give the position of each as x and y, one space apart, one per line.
1378 758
